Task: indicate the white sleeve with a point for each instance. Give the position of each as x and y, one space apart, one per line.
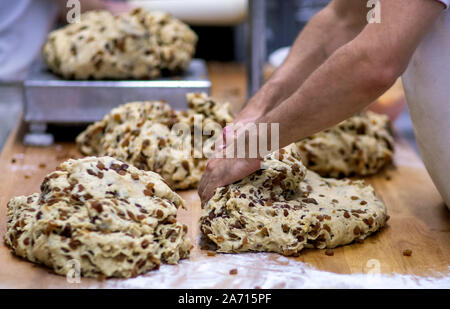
445 2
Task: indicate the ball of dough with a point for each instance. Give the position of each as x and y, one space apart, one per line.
138 45
110 218
361 145
147 135
285 208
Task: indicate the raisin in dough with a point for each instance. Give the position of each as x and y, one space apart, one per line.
137 45
115 220
284 208
360 145
145 134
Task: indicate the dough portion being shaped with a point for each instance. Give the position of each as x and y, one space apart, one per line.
138 45
284 208
113 219
360 145
147 135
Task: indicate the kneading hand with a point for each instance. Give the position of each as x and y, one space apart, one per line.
222 172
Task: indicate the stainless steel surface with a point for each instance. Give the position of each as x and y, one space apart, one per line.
37 135
256 46
11 100
38 139
50 99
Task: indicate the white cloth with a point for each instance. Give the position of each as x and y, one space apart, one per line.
445 2
24 25
427 87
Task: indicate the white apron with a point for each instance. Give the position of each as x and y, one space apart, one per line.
427 88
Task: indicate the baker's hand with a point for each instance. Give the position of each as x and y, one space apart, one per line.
222 172
247 115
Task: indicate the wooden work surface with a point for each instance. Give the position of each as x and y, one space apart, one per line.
419 222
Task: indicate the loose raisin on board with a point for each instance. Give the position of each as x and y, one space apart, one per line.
407 252
329 252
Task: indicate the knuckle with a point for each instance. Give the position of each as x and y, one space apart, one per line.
210 166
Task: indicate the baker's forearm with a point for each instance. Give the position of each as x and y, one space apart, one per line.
346 82
342 86
327 31
357 73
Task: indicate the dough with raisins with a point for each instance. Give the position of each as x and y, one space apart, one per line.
284 208
361 145
111 218
137 45
147 135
